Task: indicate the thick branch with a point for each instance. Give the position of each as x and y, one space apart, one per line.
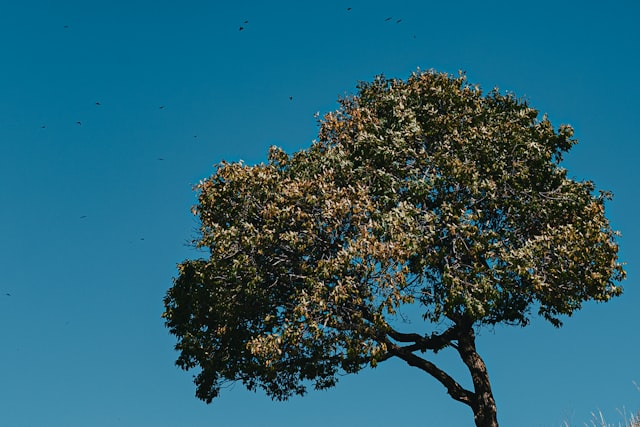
434 342
455 390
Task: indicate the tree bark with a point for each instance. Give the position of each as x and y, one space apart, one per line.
482 402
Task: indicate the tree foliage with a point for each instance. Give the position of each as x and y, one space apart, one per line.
425 192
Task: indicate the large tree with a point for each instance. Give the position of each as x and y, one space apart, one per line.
425 193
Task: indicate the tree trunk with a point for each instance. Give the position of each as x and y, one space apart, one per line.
482 402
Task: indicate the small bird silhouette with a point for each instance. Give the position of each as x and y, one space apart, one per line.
83 216
388 19
162 107
348 8
398 21
291 98
97 103
8 294
79 123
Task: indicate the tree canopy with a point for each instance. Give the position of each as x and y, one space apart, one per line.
425 192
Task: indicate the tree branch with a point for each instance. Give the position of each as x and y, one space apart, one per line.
455 390
434 342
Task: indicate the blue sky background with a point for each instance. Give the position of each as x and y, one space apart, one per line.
93 222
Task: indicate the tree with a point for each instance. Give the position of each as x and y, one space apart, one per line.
424 193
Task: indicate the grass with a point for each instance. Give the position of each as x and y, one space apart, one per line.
597 419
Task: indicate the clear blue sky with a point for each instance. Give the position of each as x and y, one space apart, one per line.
93 222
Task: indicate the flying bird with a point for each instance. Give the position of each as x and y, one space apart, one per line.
162 107
97 103
291 98
348 9
388 19
398 21
79 123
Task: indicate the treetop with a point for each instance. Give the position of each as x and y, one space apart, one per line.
425 192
